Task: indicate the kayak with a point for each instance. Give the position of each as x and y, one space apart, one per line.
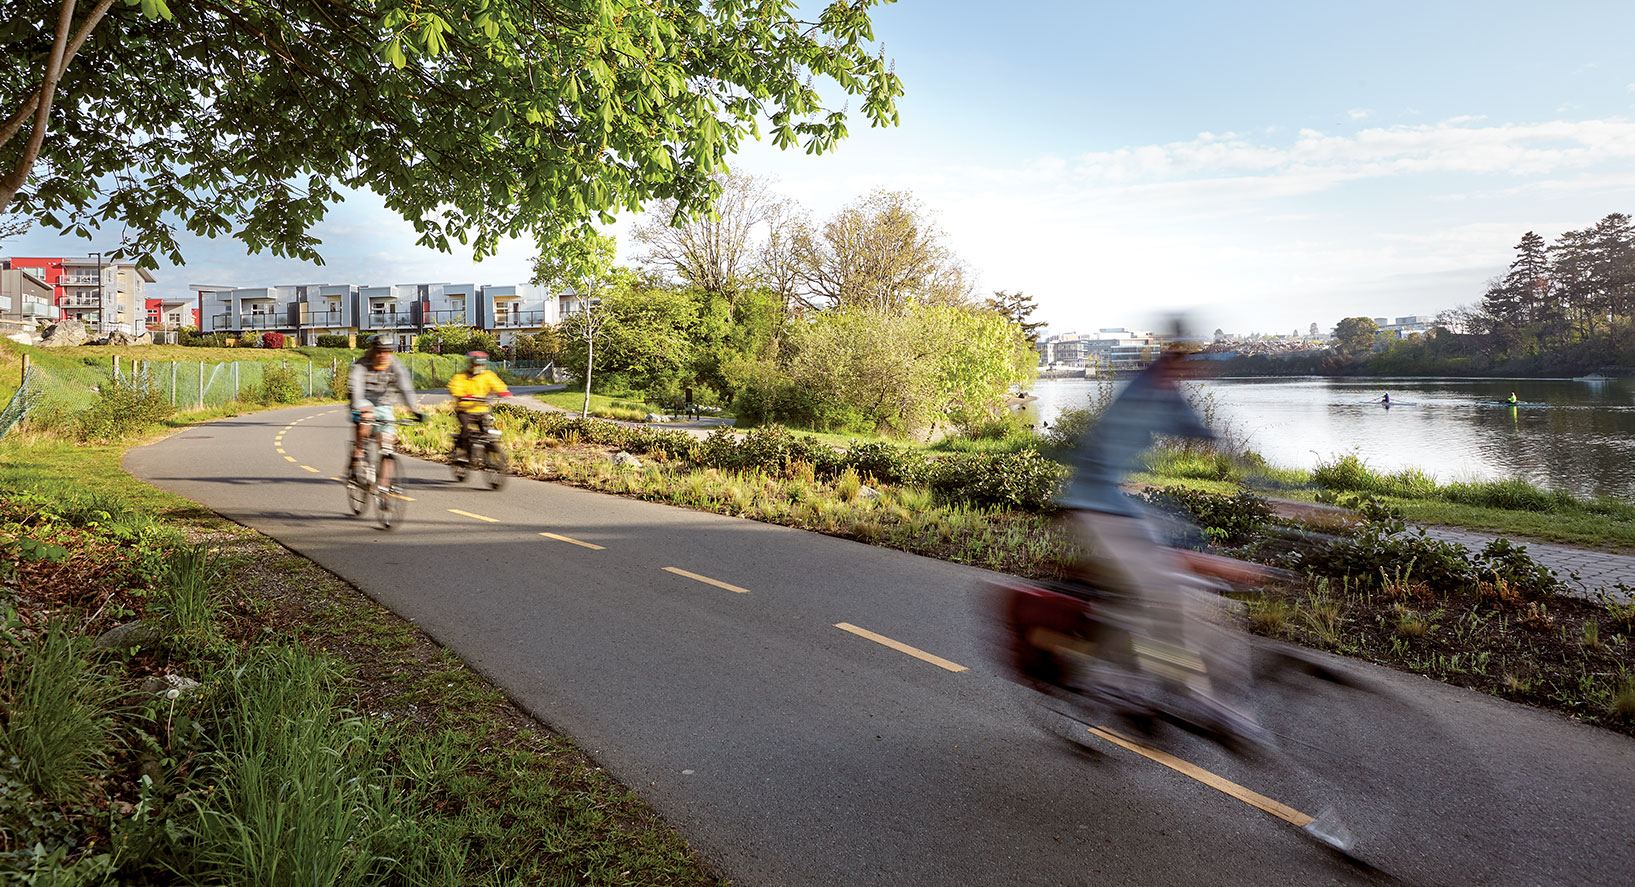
1394 403
1506 403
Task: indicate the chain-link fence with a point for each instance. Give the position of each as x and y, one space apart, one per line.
62 384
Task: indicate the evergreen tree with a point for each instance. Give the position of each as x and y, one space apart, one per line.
1017 308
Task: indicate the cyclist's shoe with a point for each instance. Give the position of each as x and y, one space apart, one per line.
1328 828
354 469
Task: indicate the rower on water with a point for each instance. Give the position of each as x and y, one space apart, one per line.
1386 400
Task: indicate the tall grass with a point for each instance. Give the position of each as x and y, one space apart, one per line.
1349 473
58 710
189 595
303 792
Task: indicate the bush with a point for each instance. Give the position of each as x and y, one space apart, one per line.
1232 520
278 385
192 338
123 408
340 384
333 341
248 340
1024 480
542 345
272 340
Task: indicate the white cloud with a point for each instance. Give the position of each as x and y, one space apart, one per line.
1359 113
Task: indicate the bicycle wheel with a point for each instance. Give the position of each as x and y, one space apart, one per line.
357 496
495 463
388 502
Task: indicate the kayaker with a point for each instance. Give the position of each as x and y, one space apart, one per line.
1512 401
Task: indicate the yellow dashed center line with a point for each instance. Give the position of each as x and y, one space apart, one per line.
571 541
706 580
310 468
900 647
1219 783
289 458
473 516
280 450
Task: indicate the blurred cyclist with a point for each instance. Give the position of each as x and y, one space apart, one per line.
1144 594
377 381
471 390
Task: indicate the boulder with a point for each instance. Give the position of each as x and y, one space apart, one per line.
131 634
165 684
622 459
24 338
657 417
120 337
65 333
867 492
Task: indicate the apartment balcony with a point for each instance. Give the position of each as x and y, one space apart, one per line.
79 280
442 316
380 320
325 319
83 300
38 309
513 320
264 322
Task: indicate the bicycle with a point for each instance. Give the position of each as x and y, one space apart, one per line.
479 449
1061 640
362 485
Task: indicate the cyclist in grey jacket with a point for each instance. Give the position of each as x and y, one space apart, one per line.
377 381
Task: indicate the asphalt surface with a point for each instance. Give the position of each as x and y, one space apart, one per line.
793 752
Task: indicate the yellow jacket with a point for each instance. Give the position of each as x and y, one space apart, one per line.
480 385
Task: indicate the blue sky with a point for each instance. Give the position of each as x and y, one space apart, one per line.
1267 165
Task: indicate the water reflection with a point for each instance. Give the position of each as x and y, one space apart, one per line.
1582 439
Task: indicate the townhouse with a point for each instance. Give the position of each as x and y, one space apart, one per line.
403 311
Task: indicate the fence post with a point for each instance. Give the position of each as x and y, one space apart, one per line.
309 377
116 368
201 384
24 376
235 380
173 383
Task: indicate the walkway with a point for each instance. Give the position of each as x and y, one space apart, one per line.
1596 570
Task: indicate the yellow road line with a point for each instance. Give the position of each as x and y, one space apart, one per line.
1219 783
706 580
900 647
279 449
572 541
289 458
411 499
473 516
339 480
310 468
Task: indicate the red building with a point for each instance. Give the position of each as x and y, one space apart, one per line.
171 314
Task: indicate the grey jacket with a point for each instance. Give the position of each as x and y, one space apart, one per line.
376 387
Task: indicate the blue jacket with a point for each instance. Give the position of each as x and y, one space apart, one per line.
1111 449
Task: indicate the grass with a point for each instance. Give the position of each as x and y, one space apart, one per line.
330 741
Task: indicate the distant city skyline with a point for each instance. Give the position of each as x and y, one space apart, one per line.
1263 165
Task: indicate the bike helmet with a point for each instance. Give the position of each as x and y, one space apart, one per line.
382 343
478 358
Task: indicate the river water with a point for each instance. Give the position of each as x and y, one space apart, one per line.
1581 438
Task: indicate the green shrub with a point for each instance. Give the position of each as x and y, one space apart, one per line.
279 385
330 340
340 384
123 408
1233 520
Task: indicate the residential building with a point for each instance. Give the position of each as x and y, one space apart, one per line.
107 296
401 311
25 302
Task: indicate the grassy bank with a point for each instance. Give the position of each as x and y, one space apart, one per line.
326 740
1492 620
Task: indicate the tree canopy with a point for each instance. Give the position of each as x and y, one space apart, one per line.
1355 334
473 119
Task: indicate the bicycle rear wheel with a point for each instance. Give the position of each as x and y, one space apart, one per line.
494 463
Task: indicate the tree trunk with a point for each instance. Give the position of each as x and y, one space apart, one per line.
590 360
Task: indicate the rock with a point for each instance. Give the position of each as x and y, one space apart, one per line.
622 459
655 417
64 333
867 492
131 634
120 337
24 338
164 685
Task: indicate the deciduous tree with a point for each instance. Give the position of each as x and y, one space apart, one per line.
1355 334
474 119
879 253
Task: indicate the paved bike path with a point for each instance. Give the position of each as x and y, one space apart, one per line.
791 751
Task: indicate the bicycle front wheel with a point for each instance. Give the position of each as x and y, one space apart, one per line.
495 464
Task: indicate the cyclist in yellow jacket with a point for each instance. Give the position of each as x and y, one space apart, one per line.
471 390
